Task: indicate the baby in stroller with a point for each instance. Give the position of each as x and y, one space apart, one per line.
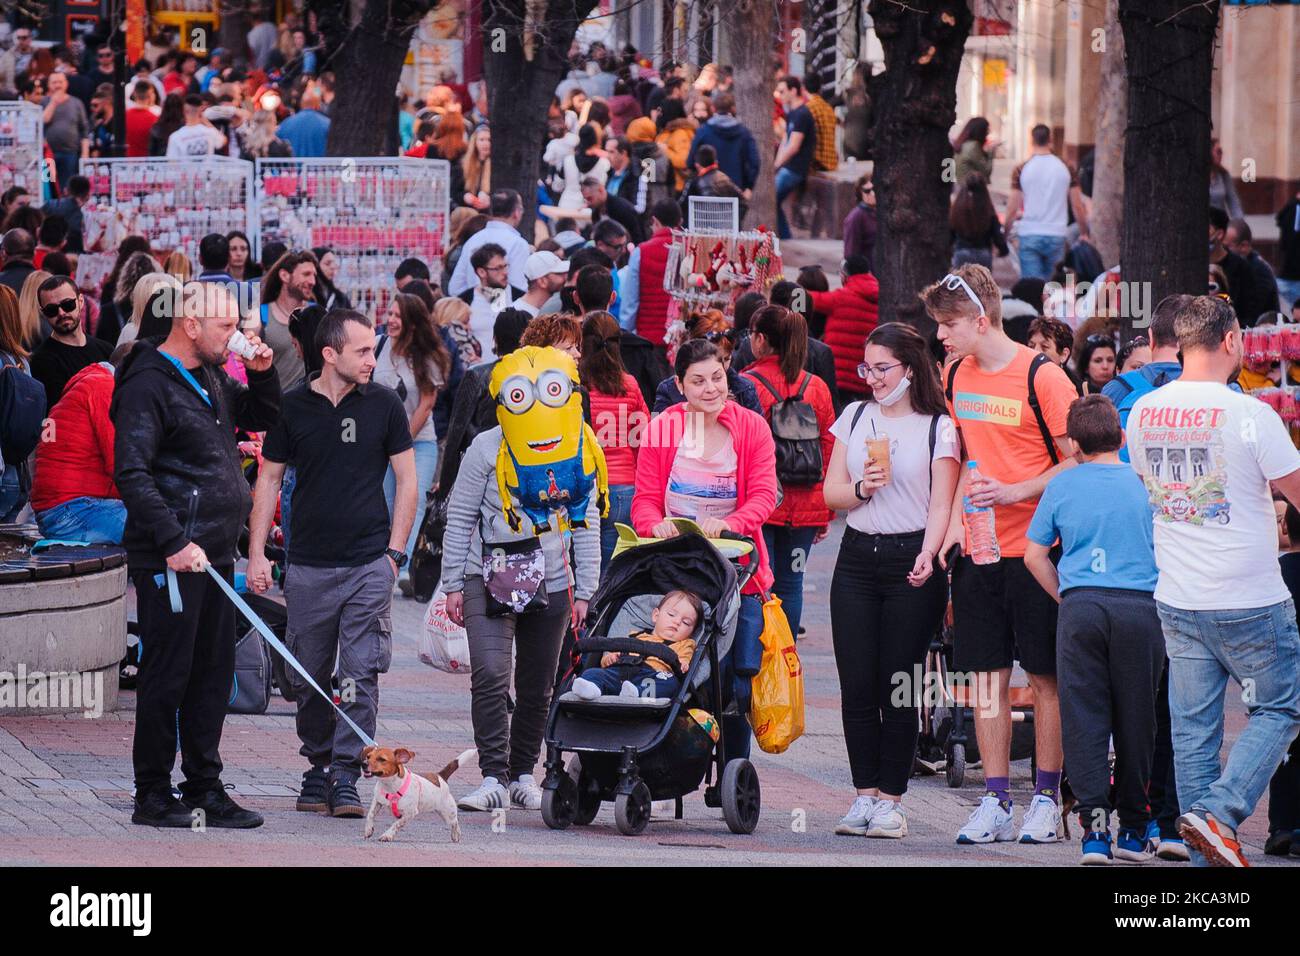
632 675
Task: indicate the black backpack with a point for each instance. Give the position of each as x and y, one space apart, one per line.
22 411
797 435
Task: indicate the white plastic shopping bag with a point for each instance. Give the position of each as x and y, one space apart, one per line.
443 644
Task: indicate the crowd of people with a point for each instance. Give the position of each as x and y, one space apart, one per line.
968 466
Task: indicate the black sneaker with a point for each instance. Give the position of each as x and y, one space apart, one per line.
220 812
315 793
343 799
161 809
1279 843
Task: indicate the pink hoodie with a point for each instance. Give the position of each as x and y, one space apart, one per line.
755 476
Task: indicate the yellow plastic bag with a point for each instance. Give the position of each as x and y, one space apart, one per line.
776 699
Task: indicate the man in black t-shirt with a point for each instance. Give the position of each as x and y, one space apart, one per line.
68 349
794 158
341 432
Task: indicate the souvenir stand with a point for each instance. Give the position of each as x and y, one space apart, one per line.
711 268
1281 344
372 212
22 139
173 203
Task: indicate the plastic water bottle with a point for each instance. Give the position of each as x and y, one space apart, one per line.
980 525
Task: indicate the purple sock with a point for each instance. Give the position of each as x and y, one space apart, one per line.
1049 784
999 787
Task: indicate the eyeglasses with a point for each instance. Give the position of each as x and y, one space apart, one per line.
868 372
953 282
868 189
52 309
500 268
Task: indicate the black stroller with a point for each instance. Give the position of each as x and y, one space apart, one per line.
637 750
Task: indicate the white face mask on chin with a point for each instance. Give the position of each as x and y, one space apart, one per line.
895 396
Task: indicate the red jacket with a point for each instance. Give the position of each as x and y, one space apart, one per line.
77 461
801 507
755 476
652 309
619 421
852 312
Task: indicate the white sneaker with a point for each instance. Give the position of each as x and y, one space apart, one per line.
988 823
887 820
1042 823
489 796
854 823
628 690
525 793
585 689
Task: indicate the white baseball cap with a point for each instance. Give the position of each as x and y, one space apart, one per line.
544 264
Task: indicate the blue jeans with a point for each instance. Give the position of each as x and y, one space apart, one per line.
642 676
1260 649
788 550
92 520
12 498
1040 255
620 511
749 628
786 183
426 469
65 167
287 484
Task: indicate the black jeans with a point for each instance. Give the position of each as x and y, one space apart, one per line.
881 627
187 664
1109 653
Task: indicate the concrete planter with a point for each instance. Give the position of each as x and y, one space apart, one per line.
62 631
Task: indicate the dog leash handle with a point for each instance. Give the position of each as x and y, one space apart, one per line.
269 636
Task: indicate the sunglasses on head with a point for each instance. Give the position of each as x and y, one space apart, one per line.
51 309
716 337
953 282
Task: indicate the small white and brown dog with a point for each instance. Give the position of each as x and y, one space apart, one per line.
408 793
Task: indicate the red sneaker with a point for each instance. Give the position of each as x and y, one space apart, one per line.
1215 841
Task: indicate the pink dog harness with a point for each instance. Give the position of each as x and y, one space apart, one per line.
394 796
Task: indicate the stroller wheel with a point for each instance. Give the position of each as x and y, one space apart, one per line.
560 805
956 771
632 810
588 796
741 798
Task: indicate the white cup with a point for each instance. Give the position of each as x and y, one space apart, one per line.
240 345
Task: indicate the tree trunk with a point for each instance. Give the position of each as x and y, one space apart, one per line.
520 90
749 25
232 34
915 106
368 62
1108 161
1169 49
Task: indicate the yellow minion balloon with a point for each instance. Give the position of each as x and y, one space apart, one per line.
549 458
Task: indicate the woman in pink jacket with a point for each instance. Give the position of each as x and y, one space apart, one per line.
712 461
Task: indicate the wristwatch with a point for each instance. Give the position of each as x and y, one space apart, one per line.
399 557
857 491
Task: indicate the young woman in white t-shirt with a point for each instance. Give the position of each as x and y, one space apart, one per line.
886 599
415 363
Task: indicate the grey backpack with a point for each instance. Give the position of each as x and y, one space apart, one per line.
250 691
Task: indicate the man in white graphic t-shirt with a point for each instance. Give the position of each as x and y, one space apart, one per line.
1207 455
1043 188
197 138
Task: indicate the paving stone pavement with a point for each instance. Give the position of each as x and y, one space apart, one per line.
65 790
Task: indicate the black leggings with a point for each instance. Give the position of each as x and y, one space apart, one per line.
881 627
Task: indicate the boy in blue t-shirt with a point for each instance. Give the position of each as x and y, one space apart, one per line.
1109 644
